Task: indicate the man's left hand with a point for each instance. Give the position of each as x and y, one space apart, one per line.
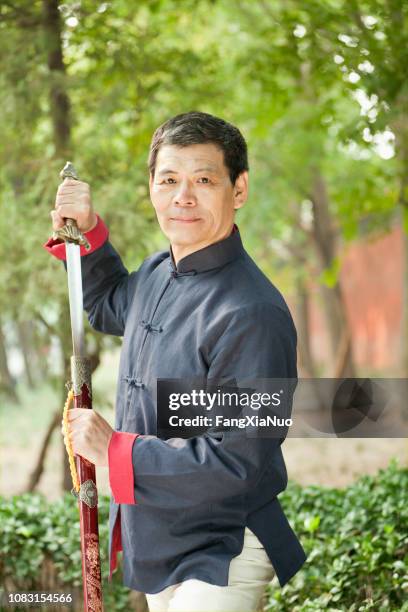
90 435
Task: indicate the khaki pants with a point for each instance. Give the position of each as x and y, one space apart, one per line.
249 574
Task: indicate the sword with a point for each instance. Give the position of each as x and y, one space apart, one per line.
82 390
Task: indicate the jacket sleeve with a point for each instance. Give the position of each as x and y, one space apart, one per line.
107 289
258 342
107 285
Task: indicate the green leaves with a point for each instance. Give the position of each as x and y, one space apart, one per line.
34 532
357 544
312 523
356 540
270 67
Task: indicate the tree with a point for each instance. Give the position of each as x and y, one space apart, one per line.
315 190
91 83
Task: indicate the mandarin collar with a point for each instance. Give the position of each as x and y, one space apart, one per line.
210 257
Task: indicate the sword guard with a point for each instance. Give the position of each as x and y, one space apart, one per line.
71 233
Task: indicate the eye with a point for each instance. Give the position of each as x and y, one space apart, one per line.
204 179
169 181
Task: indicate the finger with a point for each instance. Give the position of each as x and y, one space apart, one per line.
64 197
65 428
73 188
74 447
57 220
69 181
66 211
67 442
72 185
67 207
78 413
71 200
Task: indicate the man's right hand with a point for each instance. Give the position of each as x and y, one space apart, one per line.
73 201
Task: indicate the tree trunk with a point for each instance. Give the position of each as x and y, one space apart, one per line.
326 245
306 359
25 336
39 465
7 382
303 320
58 97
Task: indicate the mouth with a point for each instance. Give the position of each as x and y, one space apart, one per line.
184 220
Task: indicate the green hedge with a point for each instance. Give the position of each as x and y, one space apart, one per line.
34 530
357 544
356 539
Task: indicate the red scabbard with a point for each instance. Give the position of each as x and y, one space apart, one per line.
88 498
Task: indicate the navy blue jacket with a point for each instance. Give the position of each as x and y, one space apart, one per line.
214 315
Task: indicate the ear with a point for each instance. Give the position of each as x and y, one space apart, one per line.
241 189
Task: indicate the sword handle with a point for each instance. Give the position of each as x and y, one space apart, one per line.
69 171
70 231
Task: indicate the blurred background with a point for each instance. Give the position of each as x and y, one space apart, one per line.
320 92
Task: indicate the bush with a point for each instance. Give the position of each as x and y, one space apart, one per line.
356 539
34 532
357 544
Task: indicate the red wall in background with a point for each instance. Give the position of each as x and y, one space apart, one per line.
371 276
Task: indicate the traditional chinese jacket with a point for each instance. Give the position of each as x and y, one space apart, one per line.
179 506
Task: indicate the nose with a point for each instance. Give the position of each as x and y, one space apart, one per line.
184 195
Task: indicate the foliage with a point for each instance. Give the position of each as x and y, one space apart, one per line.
313 86
355 538
357 545
33 530
268 66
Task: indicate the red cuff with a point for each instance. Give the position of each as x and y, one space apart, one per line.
121 477
96 238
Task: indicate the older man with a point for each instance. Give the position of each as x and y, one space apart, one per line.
197 518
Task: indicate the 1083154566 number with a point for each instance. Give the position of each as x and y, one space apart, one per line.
28 598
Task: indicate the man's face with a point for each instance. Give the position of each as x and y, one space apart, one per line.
193 196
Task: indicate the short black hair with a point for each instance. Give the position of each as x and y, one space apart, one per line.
196 127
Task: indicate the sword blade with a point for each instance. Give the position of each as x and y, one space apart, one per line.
76 301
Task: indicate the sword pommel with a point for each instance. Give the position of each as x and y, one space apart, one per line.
70 231
69 171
